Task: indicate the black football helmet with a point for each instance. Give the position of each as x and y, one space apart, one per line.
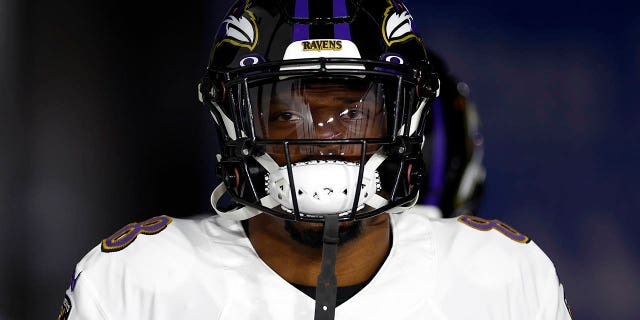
454 149
321 108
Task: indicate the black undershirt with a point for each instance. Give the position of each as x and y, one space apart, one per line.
343 294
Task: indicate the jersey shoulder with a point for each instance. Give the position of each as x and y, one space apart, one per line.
495 263
158 259
489 248
164 242
472 234
162 233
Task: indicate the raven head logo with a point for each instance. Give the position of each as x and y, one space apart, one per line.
240 28
397 24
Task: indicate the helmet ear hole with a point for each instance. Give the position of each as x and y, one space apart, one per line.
237 176
212 90
415 173
230 175
219 92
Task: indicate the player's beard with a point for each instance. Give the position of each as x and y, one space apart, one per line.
312 237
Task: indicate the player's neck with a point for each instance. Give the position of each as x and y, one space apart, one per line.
357 261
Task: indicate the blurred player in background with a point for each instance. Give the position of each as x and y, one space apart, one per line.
453 149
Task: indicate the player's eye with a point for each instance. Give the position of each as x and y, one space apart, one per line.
285 116
352 114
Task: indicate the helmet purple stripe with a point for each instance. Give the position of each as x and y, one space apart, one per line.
301 31
341 30
438 156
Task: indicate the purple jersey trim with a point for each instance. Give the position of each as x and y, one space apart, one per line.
74 279
301 31
438 156
341 30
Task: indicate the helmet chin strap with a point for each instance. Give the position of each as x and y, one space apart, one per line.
327 286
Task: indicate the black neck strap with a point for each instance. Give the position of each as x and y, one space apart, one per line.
327 284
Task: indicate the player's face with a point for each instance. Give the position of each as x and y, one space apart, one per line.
325 110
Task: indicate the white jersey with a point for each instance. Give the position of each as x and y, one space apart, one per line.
206 268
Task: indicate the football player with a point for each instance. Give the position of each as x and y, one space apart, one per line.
322 108
454 148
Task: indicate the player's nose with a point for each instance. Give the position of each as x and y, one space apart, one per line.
326 124
327 131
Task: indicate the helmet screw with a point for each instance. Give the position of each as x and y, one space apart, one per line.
243 147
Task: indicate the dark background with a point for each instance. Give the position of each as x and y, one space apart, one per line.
100 126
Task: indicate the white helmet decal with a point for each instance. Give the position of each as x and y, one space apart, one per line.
241 29
397 25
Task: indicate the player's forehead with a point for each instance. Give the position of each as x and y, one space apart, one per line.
298 86
337 90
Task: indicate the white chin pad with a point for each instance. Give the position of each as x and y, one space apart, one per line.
322 187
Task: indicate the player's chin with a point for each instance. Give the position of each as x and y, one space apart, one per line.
303 225
310 234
